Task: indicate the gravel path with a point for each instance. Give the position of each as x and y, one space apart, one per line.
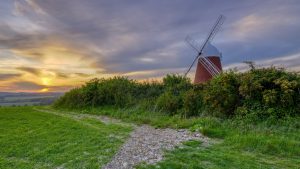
146 144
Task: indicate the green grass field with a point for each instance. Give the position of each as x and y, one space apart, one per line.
34 139
241 143
45 138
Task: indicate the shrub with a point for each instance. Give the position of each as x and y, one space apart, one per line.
148 90
176 84
90 93
171 100
271 90
221 94
169 103
116 91
193 101
258 93
72 99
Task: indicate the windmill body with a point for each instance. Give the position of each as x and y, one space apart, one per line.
208 57
212 54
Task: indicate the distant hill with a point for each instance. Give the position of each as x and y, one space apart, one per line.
22 98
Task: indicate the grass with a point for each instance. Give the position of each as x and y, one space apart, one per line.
33 139
49 139
243 143
134 115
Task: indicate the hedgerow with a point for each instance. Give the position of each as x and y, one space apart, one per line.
261 93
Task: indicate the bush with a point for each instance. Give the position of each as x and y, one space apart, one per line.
272 91
148 90
176 84
193 101
169 103
221 94
258 93
117 91
72 99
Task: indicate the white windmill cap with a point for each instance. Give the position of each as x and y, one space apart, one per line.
211 50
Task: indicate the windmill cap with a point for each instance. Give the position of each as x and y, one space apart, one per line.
211 50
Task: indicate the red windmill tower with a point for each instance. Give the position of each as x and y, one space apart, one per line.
208 56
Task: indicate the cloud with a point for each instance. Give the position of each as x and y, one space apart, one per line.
61 75
290 62
82 74
31 70
23 7
141 39
8 76
153 74
14 40
60 88
121 40
26 85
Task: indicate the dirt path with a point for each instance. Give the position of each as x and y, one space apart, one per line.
145 144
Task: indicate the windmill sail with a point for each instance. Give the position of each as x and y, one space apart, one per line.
210 50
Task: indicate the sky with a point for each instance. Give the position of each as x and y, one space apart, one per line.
55 45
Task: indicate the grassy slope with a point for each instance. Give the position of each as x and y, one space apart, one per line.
33 139
243 145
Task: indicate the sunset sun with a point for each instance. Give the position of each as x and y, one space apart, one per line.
46 81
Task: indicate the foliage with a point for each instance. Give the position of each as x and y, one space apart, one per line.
169 103
273 91
193 101
176 84
221 93
171 100
116 91
72 99
258 93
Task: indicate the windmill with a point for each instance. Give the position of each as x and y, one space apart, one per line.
208 56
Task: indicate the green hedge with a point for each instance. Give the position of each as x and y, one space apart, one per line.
262 93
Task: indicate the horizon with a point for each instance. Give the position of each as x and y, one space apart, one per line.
48 46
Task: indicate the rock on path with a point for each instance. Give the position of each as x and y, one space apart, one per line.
146 144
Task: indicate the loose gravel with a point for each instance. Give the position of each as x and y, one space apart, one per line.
146 144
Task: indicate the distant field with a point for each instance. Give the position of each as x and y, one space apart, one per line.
24 103
21 99
33 139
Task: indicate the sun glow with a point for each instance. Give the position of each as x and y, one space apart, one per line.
46 80
44 90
